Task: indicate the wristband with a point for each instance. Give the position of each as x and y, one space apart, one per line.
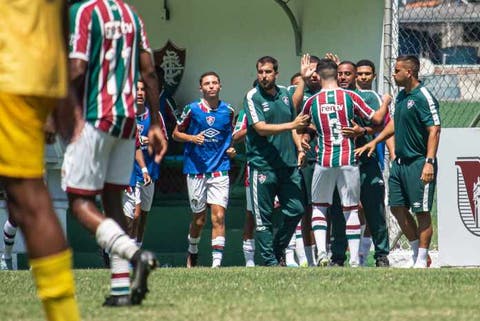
144 170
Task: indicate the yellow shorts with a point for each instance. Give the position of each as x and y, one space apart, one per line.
22 140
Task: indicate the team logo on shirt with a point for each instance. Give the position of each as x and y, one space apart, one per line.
169 65
262 178
285 100
468 192
140 128
210 120
410 103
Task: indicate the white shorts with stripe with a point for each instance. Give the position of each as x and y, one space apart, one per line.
95 159
142 195
249 198
203 190
130 199
345 178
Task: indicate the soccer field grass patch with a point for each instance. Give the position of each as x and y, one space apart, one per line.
267 294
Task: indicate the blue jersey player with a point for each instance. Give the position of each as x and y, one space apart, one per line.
205 127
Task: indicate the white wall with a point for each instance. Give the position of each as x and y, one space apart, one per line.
228 36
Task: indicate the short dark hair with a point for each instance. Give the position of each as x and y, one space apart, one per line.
413 61
267 59
209 73
314 59
297 74
367 63
327 68
348 62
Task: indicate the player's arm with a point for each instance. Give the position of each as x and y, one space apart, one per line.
379 115
179 135
387 132
141 162
428 172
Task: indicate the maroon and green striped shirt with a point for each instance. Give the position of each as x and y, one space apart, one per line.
109 35
330 110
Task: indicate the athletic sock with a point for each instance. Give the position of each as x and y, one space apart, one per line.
319 226
290 253
249 252
414 245
120 276
193 244
113 239
309 254
421 261
53 278
9 232
365 245
299 246
218 244
353 235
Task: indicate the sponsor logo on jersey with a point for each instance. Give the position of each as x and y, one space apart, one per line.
265 106
210 120
262 178
468 192
116 29
410 103
330 108
285 100
210 133
416 204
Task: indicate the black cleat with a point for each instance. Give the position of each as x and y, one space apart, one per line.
117 301
382 261
143 263
192 260
335 264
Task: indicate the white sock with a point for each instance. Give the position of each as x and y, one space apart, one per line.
422 258
353 235
319 226
249 252
9 232
365 245
290 252
218 244
120 277
299 246
193 244
113 239
414 245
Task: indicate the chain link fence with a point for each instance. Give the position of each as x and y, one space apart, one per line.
445 35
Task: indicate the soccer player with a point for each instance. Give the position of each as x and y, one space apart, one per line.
146 170
108 50
273 160
416 125
33 79
206 129
331 110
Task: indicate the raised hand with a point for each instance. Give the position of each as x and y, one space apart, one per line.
305 70
333 57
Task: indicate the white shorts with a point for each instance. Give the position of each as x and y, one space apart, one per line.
249 198
130 200
145 195
345 178
95 159
207 190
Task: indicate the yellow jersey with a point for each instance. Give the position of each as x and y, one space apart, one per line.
32 48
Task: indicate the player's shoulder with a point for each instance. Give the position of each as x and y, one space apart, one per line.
425 94
227 106
251 93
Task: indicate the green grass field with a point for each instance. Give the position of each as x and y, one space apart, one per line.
268 294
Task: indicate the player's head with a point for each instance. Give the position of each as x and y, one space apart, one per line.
296 79
140 93
346 74
365 74
210 84
406 69
327 69
267 72
314 81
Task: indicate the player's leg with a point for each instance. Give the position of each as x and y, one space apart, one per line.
421 201
146 201
299 245
217 196
129 210
348 185
197 196
291 194
248 228
339 243
323 183
263 185
372 197
9 232
21 169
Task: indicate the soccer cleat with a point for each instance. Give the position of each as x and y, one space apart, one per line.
6 264
335 264
192 260
281 261
322 260
143 264
382 261
117 301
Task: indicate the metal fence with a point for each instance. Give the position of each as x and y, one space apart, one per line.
445 35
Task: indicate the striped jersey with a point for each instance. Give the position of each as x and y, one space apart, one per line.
217 126
331 110
242 122
414 112
108 35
